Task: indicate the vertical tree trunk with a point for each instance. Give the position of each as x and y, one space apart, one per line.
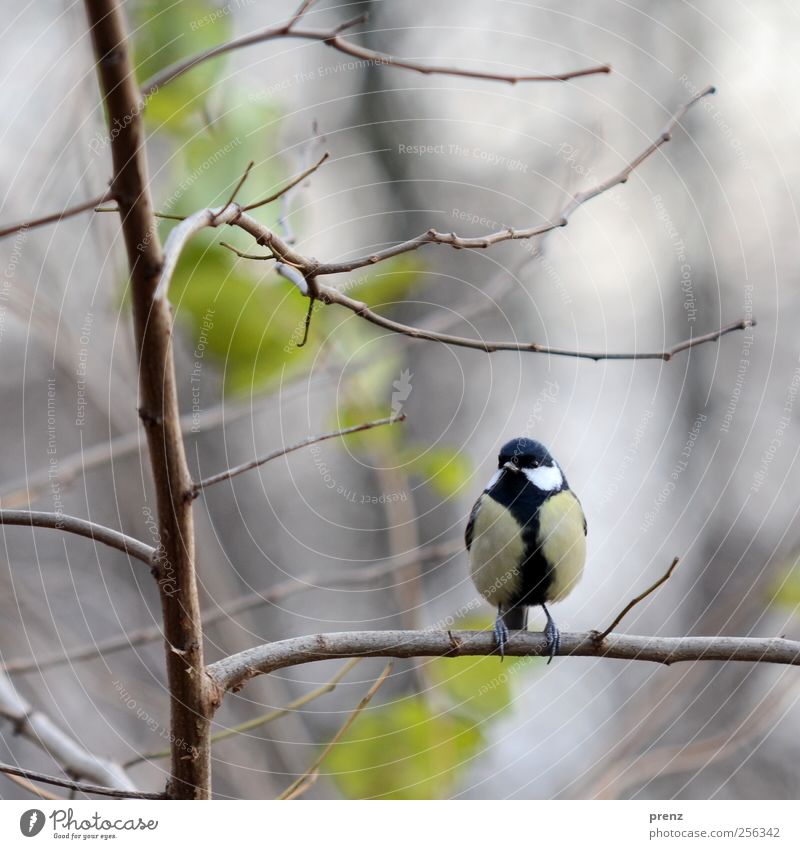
191 695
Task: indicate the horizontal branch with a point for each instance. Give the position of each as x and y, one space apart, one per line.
311 267
288 449
69 212
80 786
80 527
334 296
232 672
332 38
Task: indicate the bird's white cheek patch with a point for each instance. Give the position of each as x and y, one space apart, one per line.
547 478
493 480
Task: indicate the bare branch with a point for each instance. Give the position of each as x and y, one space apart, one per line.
179 237
80 786
332 38
334 296
378 58
238 186
289 186
281 452
310 776
83 528
32 788
234 671
601 635
70 755
434 237
358 576
69 212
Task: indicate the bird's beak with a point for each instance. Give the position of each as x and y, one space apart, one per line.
510 466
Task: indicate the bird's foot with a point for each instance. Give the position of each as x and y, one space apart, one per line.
500 635
552 636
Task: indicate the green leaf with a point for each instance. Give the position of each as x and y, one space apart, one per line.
166 34
404 751
445 469
480 686
248 327
786 588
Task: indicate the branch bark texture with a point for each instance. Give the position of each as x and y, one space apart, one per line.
234 671
190 692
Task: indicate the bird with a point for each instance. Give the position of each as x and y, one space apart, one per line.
526 538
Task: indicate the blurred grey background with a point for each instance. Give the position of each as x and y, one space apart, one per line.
696 457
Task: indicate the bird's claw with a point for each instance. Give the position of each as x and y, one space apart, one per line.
552 638
500 635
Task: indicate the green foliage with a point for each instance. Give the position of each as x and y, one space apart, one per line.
786 588
419 747
254 325
404 751
445 469
164 34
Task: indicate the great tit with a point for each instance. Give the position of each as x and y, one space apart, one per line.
526 538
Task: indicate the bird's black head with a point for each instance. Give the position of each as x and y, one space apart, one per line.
524 453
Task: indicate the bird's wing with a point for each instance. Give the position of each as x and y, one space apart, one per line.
471 523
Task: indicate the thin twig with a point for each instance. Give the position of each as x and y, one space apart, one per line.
601 635
243 254
434 237
332 38
78 785
251 600
310 440
334 296
266 718
292 790
69 212
236 188
80 527
289 186
32 788
234 671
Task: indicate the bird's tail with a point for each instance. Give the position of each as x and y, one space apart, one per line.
516 618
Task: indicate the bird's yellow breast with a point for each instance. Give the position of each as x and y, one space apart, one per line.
496 552
562 540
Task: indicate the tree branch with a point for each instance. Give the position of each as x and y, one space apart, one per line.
234 671
69 212
78 785
81 527
197 488
434 237
601 635
70 755
332 38
191 696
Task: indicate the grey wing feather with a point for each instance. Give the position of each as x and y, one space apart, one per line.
471 523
